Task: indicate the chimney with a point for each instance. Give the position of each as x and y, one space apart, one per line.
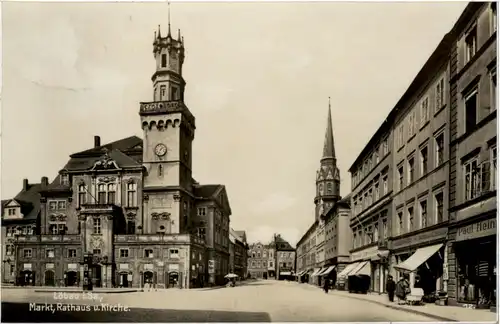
45 181
25 184
97 141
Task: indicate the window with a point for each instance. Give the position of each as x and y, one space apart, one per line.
9 249
440 94
377 157
164 60
423 214
411 224
123 253
493 159
400 136
163 90
174 93
424 111
423 160
384 233
202 211
385 187
471 103
111 193
27 253
96 251
439 149
400 177
61 205
64 179
329 188
97 225
174 253
53 205
400 223
101 194
493 15
82 194
71 253
130 227
471 172
385 147
377 192
148 253
131 194
375 233
411 170
470 44
439 200
49 253
493 88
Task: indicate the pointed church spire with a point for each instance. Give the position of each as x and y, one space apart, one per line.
169 32
159 32
329 146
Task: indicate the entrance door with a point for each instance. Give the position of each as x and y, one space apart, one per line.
124 280
71 278
50 278
27 278
97 276
147 278
173 280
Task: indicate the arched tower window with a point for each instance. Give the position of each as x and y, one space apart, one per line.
160 170
329 188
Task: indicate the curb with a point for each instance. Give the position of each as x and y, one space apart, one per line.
408 310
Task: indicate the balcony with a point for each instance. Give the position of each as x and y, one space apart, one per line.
158 238
96 208
67 238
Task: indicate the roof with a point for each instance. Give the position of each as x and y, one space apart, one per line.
130 143
439 54
329 146
29 201
306 234
282 244
206 191
242 234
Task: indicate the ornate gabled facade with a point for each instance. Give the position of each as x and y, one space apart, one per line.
132 205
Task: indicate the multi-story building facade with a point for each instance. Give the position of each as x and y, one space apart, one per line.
285 259
258 260
420 174
473 155
132 205
338 238
20 217
306 254
371 214
238 253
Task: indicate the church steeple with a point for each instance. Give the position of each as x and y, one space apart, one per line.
329 146
327 176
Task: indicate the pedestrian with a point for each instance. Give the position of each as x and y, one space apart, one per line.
402 290
390 287
326 286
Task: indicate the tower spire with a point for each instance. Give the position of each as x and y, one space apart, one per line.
169 32
329 146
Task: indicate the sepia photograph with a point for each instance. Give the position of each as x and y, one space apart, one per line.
259 161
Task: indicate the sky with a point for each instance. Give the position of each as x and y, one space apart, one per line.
258 80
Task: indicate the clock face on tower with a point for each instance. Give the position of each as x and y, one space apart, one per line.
160 149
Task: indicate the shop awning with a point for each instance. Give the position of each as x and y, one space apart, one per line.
362 268
347 269
320 273
419 257
316 271
328 270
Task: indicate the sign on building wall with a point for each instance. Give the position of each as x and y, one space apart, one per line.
211 266
480 229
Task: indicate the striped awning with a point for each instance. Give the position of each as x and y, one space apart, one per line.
328 270
316 271
320 273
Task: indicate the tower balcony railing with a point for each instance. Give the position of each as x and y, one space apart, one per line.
162 107
158 238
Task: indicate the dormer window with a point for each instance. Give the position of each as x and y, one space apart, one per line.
65 179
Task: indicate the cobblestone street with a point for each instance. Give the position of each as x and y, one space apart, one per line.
263 300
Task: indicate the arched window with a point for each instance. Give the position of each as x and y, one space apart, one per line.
329 188
111 193
101 194
82 194
131 194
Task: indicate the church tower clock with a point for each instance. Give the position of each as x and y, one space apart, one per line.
327 177
168 127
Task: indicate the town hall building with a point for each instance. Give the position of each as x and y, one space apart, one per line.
132 205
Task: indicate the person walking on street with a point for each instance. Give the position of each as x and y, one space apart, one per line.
402 289
326 286
390 287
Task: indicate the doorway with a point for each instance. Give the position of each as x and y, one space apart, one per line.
96 276
27 278
50 278
173 280
124 279
71 278
147 277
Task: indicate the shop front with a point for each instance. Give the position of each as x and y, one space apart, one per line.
372 262
423 258
475 263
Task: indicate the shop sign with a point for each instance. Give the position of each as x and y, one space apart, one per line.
27 266
49 266
148 266
481 229
364 254
420 238
123 266
211 266
173 267
445 271
72 266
